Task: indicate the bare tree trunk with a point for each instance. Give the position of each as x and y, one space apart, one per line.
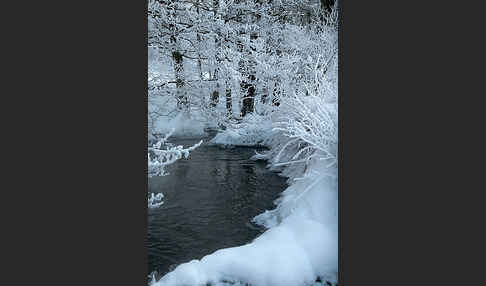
229 110
182 101
217 41
264 98
229 103
215 94
199 66
249 85
276 94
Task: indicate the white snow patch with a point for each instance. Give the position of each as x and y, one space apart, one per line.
155 201
182 125
253 131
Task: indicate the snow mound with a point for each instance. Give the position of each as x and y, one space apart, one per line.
182 125
231 137
254 131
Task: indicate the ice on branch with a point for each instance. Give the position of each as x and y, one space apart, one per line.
155 201
162 154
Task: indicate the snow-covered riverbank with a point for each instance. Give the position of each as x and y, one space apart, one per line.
281 91
301 242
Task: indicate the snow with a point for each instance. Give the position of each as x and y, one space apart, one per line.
155 201
158 157
300 245
252 131
301 240
182 126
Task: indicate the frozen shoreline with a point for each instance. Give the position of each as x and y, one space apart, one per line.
299 246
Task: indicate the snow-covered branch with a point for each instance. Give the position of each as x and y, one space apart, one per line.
161 154
164 154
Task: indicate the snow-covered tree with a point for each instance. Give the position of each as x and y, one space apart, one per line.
271 59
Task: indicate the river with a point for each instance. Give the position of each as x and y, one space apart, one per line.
209 201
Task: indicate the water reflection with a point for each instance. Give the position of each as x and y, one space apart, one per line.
210 200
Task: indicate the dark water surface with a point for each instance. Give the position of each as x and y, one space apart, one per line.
209 201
